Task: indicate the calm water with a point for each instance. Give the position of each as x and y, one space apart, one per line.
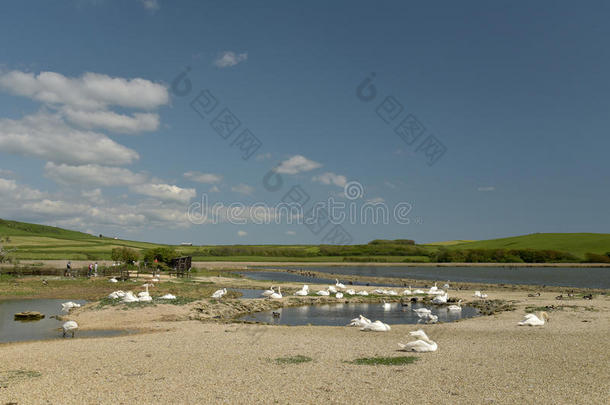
341 314
595 277
296 278
47 328
248 293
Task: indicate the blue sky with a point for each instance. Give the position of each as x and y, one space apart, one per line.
93 138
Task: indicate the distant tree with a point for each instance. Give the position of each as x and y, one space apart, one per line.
124 255
597 258
162 255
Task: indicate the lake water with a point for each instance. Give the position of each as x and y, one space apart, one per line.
296 278
341 314
580 277
248 293
47 328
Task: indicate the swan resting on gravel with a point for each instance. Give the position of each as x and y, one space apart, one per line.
421 345
534 319
376 326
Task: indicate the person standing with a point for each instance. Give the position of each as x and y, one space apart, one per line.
95 269
90 270
68 269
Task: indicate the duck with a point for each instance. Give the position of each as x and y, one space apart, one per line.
338 284
421 345
360 322
339 295
534 319
454 307
219 293
277 295
376 326
67 306
268 292
70 326
303 291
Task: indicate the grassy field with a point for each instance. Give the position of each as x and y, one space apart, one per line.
576 243
40 242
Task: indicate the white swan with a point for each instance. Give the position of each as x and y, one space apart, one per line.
376 326
350 292
332 289
130 297
363 293
219 293
144 294
303 291
419 291
145 298
387 306
422 345
440 299
478 294
116 295
268 292
446 286
168 297
407 291
339 295
391 292
155 279
323 292
69 326
360 322
379 291
338 284
67 306
422 311
457 307
534 319
277 295
113 280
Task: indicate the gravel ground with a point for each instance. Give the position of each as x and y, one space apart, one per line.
479 360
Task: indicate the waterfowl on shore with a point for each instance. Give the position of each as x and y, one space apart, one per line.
268 292
303 291
338 284
70 326
407 291
419 291
534 319
219 293
421 345
116 295
446 285
363 293
339 295
391 292
350 292
332 289
113 280
376 326
276 295
323 293
360 322
67 306
130 297
168 297
533 295
440 299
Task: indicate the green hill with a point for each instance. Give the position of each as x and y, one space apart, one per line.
576 243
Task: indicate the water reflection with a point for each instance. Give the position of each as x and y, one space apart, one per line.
341 314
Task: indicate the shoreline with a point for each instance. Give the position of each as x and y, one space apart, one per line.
60 264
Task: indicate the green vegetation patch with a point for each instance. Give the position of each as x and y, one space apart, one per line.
384 361
293 359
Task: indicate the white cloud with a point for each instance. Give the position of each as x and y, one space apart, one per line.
206 178
151 5
90 91
9 190
46 136
166 192
329 178
93 175
486 188
94 196
230 58
243 189
242 233
297 164
138 122
291 233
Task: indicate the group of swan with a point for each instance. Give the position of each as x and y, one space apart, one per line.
534 319
366 325
422 345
